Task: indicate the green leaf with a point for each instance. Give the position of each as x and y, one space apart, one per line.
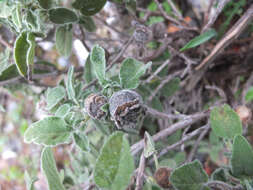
24 50
4 60
219 175
63 110
249 95
130 72
200 39
45 4
242 158
16 17
88 70
29 181
62 16
171 87
49 131
48 167
10 72
89 7
82 142
88 23
98 61
225 122
149 147
70 85
54 96
190 176
63 40
115 163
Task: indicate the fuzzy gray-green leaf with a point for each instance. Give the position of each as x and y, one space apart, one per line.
89 7
49 169
82 142
115 163
49 131
225 122
98 61
63 40
130 72
70 85
54 96
190 176
242 158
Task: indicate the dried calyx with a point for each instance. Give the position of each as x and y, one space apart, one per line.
162 177
93 104
126 109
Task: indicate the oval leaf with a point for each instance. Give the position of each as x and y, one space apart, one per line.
48 167
200 39
45 4
130 72
10 72
62 16
54 96
63 110
190 176
89 7
70 85
63 40
24 50
242 157
225 122
115 164
49 131
98 61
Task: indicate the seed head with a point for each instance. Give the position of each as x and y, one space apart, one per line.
162 177
93 104
126 108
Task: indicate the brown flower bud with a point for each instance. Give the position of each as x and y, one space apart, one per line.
126 108
244 114
93 104
162 176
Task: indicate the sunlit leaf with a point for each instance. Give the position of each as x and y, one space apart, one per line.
63 40
49 131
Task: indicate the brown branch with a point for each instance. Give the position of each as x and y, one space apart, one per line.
5 43
135 148
229 37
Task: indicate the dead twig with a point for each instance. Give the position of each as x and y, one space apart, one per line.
229 37
219 9
140 173
195 147
135 148
182 141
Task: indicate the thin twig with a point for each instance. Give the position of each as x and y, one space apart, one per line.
158 70
182 141
175 10
219 9
163 82
140 173
194 149
229 37
135 148
219 90
162 115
